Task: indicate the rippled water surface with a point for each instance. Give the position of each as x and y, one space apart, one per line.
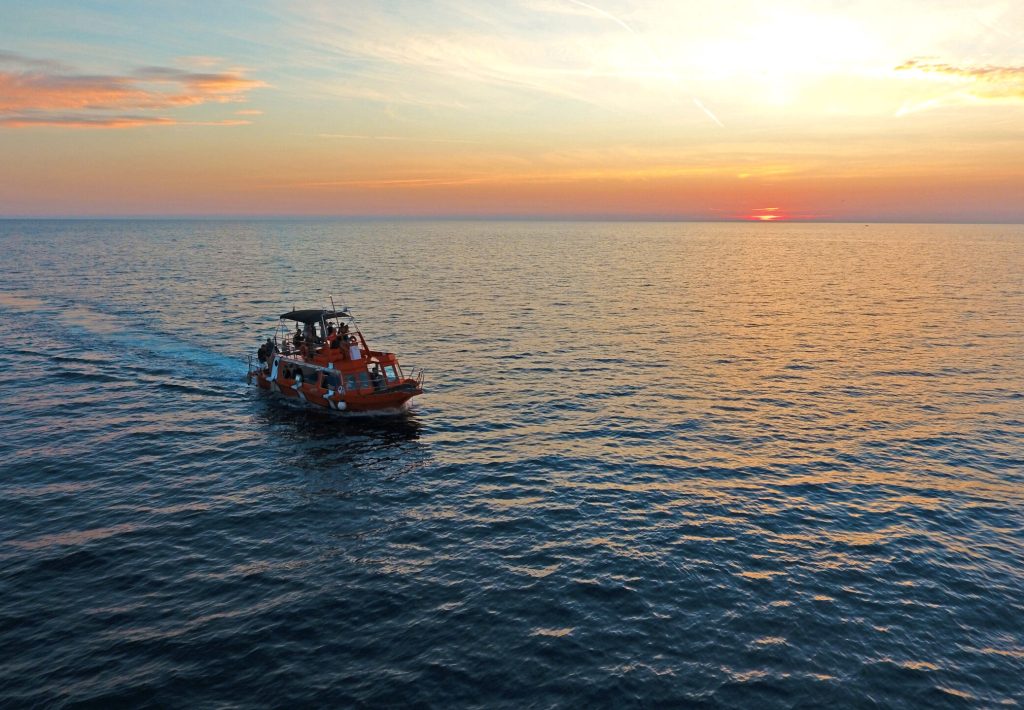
656 464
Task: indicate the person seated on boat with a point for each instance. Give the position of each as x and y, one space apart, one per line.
344 330
377 378
297 338
354 353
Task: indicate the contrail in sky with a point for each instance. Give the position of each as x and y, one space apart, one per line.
607 14
654 55
706 110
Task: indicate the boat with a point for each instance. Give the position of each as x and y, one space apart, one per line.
327 363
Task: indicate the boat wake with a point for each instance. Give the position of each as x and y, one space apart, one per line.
104 337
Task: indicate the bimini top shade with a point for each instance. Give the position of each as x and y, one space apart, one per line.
313 315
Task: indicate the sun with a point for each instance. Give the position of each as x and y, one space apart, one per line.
766 214
776 54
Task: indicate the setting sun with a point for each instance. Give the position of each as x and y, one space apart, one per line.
766 214
887 111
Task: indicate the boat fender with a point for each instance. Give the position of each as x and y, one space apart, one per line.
273 372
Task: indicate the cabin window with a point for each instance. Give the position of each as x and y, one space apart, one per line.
331 380
350 382
389 372
364 380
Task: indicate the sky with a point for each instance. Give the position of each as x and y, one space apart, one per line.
833 110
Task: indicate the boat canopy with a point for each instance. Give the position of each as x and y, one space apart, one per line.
314 315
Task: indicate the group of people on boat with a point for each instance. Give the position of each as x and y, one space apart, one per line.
311 337
307 340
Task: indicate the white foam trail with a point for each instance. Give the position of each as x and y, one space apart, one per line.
19 302
123 337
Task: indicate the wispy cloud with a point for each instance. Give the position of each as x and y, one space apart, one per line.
987 72
86 121
20 60
972 84
412 139
473 57
565 176
39 92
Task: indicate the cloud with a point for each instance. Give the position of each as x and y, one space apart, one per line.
414 139
984 84
82 121
22 60
462 56
86 121
988 72
36 92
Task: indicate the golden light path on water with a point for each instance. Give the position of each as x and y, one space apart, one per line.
655 463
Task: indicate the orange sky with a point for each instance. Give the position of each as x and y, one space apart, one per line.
907 111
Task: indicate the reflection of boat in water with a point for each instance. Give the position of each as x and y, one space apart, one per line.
327 363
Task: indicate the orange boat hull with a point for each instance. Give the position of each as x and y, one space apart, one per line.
348 401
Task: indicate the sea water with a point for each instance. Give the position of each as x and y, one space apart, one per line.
732 465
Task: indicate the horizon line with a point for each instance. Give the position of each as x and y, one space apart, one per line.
485 218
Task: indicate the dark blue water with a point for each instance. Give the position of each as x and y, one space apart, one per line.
656 464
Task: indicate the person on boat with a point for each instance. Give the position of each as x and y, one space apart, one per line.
297 338
266 351
377 378
354 353
332 337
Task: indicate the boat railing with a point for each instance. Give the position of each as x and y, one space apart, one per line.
418 375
